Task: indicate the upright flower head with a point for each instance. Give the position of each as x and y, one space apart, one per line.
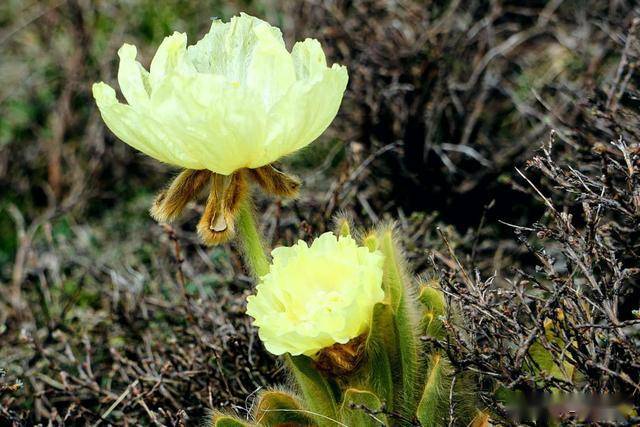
235 100
317 296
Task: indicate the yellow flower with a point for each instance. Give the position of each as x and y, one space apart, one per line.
224 109
317 296
236 99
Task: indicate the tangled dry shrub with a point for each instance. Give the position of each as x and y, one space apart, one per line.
451 94
143 328
567 322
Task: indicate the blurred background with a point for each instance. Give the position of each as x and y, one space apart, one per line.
445 100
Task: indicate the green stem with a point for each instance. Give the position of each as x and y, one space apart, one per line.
251 240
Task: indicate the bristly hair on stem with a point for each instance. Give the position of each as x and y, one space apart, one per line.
400 290
250 239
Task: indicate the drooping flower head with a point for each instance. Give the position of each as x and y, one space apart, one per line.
235 100
316 296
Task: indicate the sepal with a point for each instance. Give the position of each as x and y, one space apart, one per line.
170 202
341 359
481 419
275 182
217 224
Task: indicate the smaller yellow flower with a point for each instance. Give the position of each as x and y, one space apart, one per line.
314 297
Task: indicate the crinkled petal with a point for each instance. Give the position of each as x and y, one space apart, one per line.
215 130
132 77
138 131
306 111
228 47
314 297
271 72
308 59
170 58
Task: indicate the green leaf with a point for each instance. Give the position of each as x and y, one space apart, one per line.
342 227
221 420
548 364
371 242
277 408
394 277
396 284
432 298
317 390
381 355
358 409
435 396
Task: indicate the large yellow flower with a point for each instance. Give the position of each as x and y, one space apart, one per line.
314 297
224 109
236 99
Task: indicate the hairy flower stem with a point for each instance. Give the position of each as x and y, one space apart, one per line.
251 240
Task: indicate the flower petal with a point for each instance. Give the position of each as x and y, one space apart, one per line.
270 72
308 59
138 131
314 297
228 47
170 58
213 130
236 99
306 111
132 77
